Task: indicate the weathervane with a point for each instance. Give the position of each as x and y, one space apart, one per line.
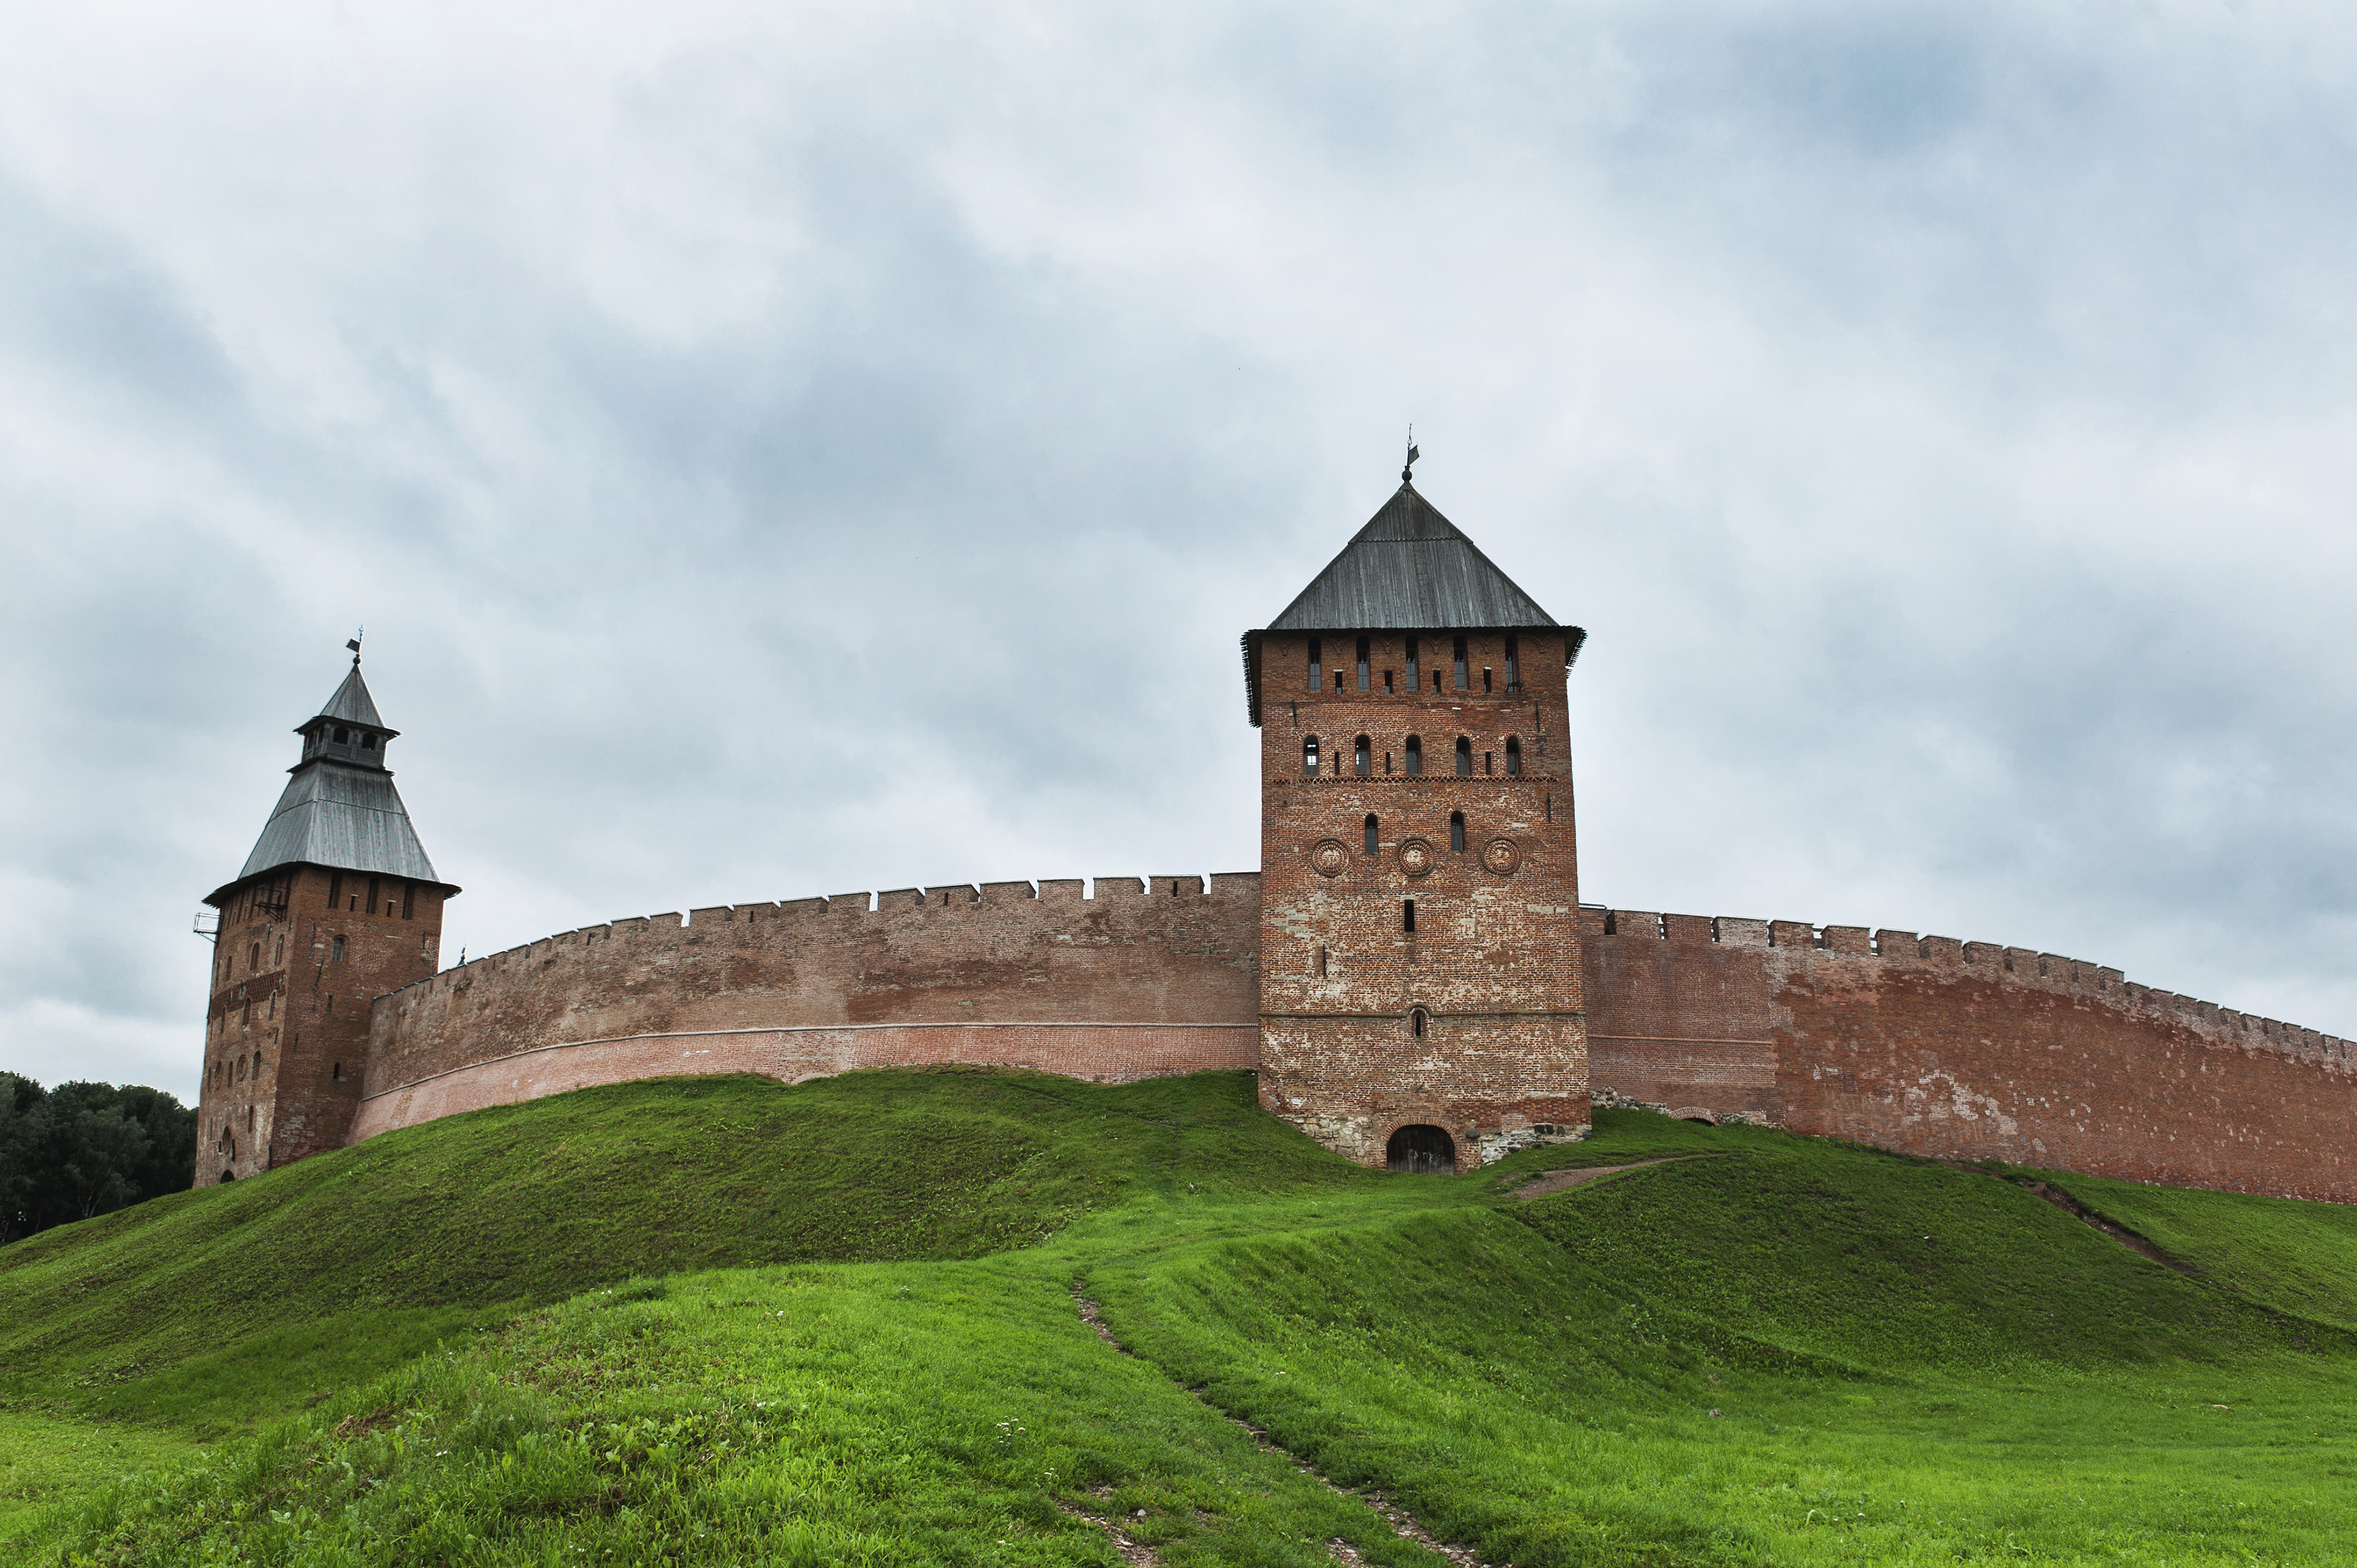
1406 473
354 644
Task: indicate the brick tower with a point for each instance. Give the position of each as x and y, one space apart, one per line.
1420 995
337 905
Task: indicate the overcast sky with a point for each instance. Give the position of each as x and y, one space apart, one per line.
781 450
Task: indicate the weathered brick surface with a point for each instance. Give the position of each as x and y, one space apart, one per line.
1061 965
1968 1050
1102 1053
1493 962
286 1034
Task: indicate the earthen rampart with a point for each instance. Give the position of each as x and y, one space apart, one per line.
1113 982
1962 1050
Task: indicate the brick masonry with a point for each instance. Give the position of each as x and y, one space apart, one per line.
1121 980
302 956
1470 1021
1963 1050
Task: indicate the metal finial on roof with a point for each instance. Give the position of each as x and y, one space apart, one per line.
1406 475
354 644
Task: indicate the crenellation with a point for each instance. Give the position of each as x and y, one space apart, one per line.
1002 893
1115 887
849 903
1855 941
1897 944
1942 953
1735 931
1686 928
1798 934
1634 923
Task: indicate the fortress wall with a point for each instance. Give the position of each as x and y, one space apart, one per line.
822 984
1964 1050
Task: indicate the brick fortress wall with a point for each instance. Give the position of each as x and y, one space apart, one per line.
1125 984
1963 1050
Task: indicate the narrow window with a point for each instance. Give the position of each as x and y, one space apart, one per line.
1550 808
245 1015
1487 757
408 900
1456 831
1310 756
335 952
1388 688
344 736
1362 664
1513 666
336 1072
1321 963
1374 842
371 897
368 741
1317 679
1362 757
1407 916
1338 680
1416 1019
1462 684
1412 680
1513 758
336 891
1463 757
1485 680
1387 765
1416 754
274 1006
254 961
282 947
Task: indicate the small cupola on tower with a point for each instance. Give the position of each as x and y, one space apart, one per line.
1419 973
337 905
347 729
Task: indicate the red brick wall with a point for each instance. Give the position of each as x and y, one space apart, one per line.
1494 960
823 984
1102 1053
1964 1050
287 1033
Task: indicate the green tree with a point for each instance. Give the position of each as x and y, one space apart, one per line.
83 1149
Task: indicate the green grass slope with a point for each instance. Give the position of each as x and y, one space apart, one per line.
208 1306
851 1336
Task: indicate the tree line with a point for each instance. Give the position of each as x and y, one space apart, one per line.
81 1149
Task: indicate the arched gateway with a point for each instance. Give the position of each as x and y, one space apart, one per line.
1422 1149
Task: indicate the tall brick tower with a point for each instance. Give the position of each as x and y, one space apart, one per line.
1420 973
337 905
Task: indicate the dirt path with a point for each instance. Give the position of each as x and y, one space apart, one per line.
1403 1524
1564 1180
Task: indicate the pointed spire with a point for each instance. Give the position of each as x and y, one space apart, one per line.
341 809
351 704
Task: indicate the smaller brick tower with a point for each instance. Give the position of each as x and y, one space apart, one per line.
337 905
1420 966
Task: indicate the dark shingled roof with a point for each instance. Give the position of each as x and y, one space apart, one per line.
338 811
347 817
1411 569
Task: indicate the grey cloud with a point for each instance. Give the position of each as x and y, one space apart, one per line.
772 463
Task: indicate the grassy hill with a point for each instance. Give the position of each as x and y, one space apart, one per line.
725 1321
